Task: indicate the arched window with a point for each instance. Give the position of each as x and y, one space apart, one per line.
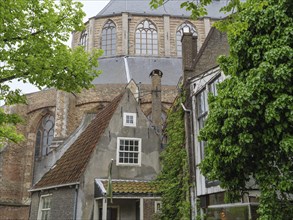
45 134
84 39
185 27
108 40
146 38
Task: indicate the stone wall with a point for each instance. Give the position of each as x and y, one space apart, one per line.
166 28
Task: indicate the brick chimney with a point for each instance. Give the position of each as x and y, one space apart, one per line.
156 76
189 52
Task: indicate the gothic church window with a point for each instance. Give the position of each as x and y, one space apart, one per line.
45 134
108 40
146 38
84 39
183 28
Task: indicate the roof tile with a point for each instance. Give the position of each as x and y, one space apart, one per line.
70 166
131 186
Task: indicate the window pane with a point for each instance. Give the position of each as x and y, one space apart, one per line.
185 27
129 154
108 41
146 38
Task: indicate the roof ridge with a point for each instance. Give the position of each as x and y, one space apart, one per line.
204 45
105 8
72 163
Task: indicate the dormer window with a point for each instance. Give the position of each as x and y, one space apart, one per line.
129 119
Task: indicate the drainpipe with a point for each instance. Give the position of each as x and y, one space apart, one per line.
75 199
193 195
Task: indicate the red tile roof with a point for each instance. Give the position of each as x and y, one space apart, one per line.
131 186
69 168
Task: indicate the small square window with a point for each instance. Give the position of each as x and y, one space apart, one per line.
129 119
128 151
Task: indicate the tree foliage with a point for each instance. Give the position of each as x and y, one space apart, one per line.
249 130
173 181
32 49
249 127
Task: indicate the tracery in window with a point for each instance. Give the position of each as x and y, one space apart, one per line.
44 137
183 28
84 39
108 40
146 38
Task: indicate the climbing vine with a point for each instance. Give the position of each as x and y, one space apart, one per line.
173 181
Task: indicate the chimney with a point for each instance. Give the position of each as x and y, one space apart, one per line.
156 76
189 52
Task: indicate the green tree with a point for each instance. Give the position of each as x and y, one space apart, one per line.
249 130
249 127
32 49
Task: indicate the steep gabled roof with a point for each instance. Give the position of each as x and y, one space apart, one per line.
69 168
172 7
215 44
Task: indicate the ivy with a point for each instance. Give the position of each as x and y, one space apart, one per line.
173 181
250 124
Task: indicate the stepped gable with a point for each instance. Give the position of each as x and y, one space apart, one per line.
172 7
69 168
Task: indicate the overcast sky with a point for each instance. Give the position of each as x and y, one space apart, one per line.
91 8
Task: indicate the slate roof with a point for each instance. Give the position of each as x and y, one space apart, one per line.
113 70
172 7
69 168
131 186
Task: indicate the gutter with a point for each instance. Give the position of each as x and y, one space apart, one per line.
52 187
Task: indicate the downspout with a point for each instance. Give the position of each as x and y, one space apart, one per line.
128 77
193 194
75 199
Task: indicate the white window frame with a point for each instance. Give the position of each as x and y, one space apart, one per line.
118 151
127 124
156 206
41 209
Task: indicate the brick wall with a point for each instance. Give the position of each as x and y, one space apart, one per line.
14 212
217 45
149 209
